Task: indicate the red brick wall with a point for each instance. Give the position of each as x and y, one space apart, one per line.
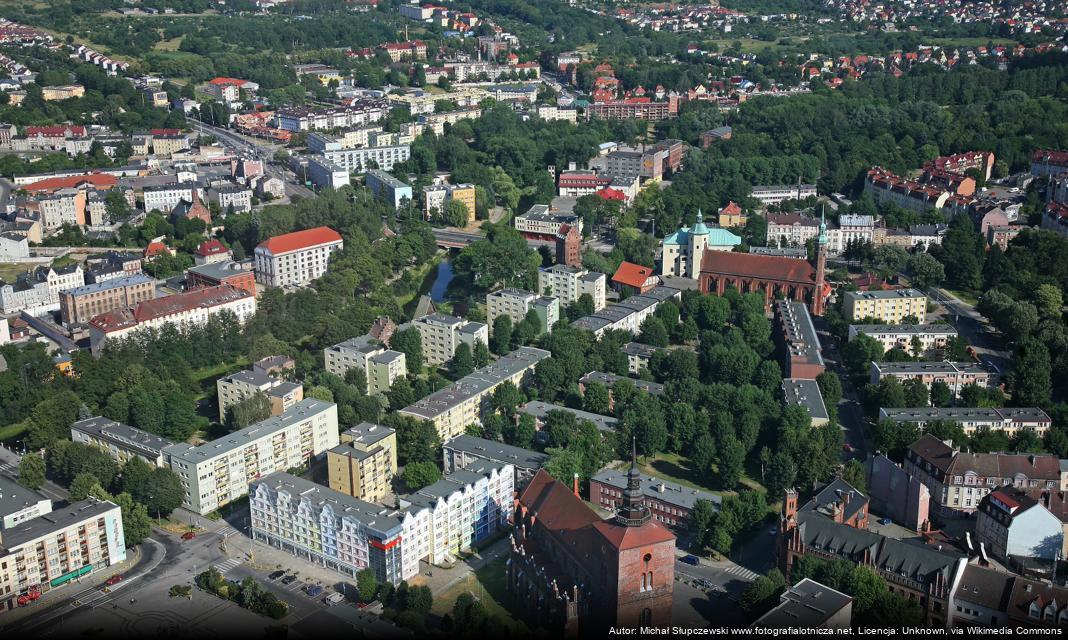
631 601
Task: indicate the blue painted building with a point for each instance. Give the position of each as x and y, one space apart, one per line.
387 188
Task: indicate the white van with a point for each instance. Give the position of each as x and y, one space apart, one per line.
334 598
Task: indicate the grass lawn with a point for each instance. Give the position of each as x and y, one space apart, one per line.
966 296
168 45
13 431
10 271
676 468
490 586
200 375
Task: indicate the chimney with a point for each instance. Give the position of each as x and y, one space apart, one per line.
576 486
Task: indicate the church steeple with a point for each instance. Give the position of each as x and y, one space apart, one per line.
819 294
633 512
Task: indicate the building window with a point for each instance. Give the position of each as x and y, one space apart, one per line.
646 617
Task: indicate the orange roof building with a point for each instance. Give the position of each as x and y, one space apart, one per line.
295 259
634 278
102 181
580 574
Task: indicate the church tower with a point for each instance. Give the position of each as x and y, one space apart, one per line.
633 512
698 246
818 296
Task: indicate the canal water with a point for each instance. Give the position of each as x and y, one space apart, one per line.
442 279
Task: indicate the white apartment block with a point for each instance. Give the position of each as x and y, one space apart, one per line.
239 198
892 307
552 112
242 385
932 337
363 113
462 403
778 193
120 441
218 472
516 304
57 548
329 529
193 308
325 174
165 198
65 206
37 292
441 334
360 160
568 284
460 510
381 366
321 142
297 258
851 228
19 504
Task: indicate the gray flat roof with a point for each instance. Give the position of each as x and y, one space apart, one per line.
122 435
540 409
806 393
294 415
57 520
387 356
14 497
381 519
608 379
497 452
220 270
798 332
114 283
362 344
386 179
885 295
640 350
251 377
806 605
428 496
929 367
368 433
909 329
657 489
970 414
478 382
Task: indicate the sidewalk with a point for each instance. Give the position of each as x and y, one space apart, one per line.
80 588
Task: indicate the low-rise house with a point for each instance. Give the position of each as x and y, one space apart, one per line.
956 375
927 339
539 410
1011 420
1018 529
639 355
809 605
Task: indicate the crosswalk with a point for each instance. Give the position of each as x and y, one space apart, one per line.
224 567
227 531
743 573
10 468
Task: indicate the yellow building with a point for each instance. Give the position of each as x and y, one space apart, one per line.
465 194
65 92
364 464
889 307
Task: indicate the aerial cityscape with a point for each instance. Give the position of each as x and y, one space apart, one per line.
533 318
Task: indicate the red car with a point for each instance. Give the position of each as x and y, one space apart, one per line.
848 448
113 580
188 535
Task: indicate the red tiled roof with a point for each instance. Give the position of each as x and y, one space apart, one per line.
731 209
97 180
632 275
56 131
227 81
167 306
609 193
1043 156
758 266
554 505
211 248
621 537
299 240
166 132
155 248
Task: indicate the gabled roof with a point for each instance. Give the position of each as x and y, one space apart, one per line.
97 180
632 275
556 507
211 248
299 240
758 266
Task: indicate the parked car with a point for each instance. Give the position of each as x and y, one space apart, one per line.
886 521
289 579
313 590
334 598
114 580
848 448
773 531
690 559
189 535
276 574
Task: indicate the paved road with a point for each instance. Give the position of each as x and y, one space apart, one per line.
972 326
263 151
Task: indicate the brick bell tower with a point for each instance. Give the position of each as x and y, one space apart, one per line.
643 554
819 299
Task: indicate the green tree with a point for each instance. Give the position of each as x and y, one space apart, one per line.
925 271
366 584
1031 375
136 523
247 411
596 399
941 394
915 393
653 332
780 475
855 475
81 486
762 594
731 461
501 338
481 354
463 362
51 419
409 342
163 492
420 474
701 520
860 352
32 471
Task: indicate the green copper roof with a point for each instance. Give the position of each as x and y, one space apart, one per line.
682 236
723 238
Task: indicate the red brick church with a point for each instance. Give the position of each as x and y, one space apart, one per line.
774 276
578 573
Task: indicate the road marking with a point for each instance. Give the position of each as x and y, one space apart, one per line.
230 564
742 572
227 531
